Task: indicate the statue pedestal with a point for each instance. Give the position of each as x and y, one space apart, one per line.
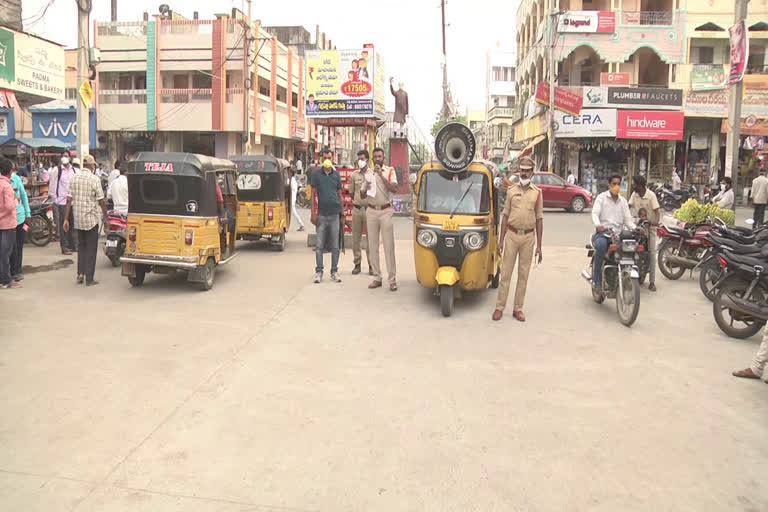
398 158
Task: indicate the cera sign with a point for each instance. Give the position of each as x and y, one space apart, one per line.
649 124
589 123
61 124
587 22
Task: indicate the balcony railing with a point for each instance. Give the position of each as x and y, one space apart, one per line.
501 112
122 97
232 92
186 27
646 17
122 28
185 95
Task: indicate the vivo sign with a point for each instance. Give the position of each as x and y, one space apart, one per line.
61 125
589 123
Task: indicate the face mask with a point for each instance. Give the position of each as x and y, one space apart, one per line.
615 189
361 164
327 164
525 181
64 160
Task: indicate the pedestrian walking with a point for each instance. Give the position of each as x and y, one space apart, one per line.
571 178
359 207
85 201
759 198
8 203
380 182
523 214
294 194
757 370
326 183
642 198
22 214
58 189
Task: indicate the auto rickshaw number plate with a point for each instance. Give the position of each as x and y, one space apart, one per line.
450 225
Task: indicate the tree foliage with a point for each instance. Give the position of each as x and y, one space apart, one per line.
440 122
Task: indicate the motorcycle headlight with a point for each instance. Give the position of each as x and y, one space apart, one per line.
426 238
473 241
628 245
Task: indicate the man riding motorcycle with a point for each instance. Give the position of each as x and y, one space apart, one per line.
610 212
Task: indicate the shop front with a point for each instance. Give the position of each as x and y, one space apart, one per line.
753 147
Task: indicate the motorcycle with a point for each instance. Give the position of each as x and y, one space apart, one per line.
40 223
671 200
114 246
681 249
740 306
620 275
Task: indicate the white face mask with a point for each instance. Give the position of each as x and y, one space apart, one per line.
525 181
362 164
64 160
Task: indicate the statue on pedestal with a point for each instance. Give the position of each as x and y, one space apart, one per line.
401 102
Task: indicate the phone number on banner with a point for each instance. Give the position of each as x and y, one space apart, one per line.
355 108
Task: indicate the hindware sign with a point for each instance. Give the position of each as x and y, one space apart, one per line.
649 124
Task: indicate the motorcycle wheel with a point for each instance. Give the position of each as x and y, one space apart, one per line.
669 205
709 276
667 268
628 303
446 299
746 325
115 260
40 231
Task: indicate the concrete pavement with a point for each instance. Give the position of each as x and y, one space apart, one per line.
269 393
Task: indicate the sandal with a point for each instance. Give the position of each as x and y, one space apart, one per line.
519 316
497 315
80 279
393 287
746 373
374 284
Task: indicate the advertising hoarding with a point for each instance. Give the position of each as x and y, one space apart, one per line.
587 22
649 124
594 122
31 65
340 83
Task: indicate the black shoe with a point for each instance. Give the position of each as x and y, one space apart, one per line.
91 283
652 287
356 270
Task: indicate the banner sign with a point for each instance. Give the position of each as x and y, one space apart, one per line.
61 124
715 103
633 97
739 52
31 65
340 83
614 78
565 100
594 122
749 126
587 22
707 78
650 124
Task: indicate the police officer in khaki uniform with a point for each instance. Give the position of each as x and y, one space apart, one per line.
523 214
379 185
359 202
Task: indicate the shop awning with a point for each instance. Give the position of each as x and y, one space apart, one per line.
533 143
38 142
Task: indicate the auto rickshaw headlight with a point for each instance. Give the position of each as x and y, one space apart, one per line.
426 238
473 241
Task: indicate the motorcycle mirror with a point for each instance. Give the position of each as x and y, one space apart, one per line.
412 179
749 222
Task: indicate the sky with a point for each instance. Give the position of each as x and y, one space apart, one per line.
406 33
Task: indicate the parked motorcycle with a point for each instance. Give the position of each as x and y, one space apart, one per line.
681 249
671 200
620 275
40 223
114 246
740 306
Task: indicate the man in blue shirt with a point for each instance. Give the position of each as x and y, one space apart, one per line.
326 183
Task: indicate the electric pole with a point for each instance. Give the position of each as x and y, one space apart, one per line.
114 11
83 74
735 93
447 107
551 129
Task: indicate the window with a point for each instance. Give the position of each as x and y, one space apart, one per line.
202 81
71 93
702 55
159 190
497 74
264 86
294 100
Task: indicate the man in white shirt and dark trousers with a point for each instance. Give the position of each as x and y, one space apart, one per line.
610 212
759 198
118 193
294 193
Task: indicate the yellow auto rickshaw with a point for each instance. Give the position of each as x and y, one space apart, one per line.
264 198
455 219
182 210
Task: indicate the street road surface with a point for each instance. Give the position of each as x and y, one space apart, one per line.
269 393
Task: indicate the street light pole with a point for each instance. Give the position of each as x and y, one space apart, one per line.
83 74
551 129
735 94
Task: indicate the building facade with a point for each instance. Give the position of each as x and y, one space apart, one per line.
500 101
635 64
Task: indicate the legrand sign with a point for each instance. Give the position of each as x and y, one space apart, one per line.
589 123
60 124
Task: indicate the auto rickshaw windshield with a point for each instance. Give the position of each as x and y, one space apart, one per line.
464 193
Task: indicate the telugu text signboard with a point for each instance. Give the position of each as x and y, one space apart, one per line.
649 124
587 22
31 65
565 100
590 122
340 83
707 77
715 103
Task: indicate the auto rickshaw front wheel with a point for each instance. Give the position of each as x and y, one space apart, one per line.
446 299
496 279
209 272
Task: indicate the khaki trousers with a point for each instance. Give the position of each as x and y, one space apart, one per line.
359 221
380 226
515 246
761 358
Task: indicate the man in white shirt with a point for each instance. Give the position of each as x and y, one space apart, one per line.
571 178
759 198
610 213
725 199
113 175
118 193
677 183
642 198
294 192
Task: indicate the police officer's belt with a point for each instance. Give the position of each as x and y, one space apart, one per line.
520 231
